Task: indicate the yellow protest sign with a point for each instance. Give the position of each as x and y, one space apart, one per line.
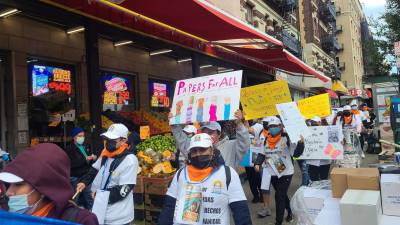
260 100
318 105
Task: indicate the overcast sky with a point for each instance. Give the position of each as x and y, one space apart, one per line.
373 8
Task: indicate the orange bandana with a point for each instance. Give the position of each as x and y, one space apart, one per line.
108 154
44 211
265 133
348 119
355 111
198 175
273 141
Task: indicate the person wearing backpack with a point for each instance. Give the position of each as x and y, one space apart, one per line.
38 185
113 178
205 191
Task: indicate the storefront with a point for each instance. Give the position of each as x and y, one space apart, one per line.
2 104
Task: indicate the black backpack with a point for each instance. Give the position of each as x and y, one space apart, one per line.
117 160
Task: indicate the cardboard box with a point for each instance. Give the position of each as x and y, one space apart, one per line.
363 179
360 207
314 200
390 193
339 181
353 178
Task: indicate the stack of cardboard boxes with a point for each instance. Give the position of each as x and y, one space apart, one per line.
365 197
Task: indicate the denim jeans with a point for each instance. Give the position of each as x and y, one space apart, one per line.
85 198
305 178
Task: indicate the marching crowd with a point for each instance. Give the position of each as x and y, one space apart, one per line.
206 189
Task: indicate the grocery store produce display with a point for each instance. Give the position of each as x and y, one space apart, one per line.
154 155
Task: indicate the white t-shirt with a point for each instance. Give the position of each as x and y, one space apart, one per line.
121 212
205 202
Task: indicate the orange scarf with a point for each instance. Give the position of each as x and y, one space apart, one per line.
198 175
355 111
273 141
265 133
348 119
108 154
44 211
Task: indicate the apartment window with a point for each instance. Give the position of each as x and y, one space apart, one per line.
249 13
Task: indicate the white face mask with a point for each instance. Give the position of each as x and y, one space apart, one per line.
80 140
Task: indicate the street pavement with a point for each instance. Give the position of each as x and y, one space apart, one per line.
296 182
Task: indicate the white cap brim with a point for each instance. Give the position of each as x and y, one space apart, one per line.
110 135
200 145
10 178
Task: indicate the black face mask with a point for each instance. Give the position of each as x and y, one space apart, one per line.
111 145
201 161
346 113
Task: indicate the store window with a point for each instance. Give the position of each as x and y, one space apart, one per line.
51 102
249 13
118 92
160 95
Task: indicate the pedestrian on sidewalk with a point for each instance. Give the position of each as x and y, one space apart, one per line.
81 158
318 169
205 191
232 151
39 185
278 166
113 178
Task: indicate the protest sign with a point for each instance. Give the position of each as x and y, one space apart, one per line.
259 101
8 218
209 98
293 121
318 105
324 143
144 132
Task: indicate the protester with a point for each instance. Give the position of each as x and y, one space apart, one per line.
81 158
133 141
205 191
181 158
39 185
113 177
277 160
232 151
354 109
349 120
318 169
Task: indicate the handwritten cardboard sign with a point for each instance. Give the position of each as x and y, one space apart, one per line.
325 142
294 122
209 98
144 132
259 101
318 105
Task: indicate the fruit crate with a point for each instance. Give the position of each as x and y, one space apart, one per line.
154 201
151 216
139 187
156 185
138 199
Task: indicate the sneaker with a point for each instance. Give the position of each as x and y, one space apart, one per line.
289 218
264 212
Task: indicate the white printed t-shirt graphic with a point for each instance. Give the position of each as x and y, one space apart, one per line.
205 202
121 212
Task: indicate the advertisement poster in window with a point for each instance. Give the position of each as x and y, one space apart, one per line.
49 78
117 91
160 92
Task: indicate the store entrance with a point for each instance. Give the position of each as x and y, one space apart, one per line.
2 105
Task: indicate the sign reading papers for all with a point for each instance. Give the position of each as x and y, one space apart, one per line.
318 105
324 143
209 98
293 121
259 101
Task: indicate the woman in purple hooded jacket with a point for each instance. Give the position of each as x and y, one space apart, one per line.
38 185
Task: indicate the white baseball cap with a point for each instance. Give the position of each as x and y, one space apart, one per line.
316 119
346 107
266 119
10 178
202 140
190 129
115 131
212 126
273 120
